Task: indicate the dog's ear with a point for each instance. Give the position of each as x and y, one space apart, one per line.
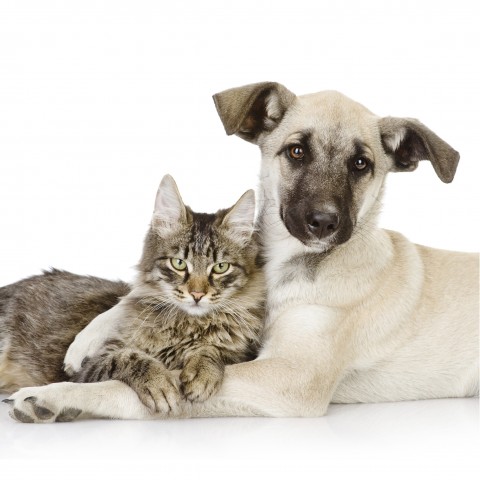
409 141
250 110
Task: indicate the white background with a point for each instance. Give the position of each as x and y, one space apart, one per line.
99 99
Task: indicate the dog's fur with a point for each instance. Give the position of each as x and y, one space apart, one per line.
355 313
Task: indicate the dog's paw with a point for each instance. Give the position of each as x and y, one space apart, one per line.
159 391
201 378
36 405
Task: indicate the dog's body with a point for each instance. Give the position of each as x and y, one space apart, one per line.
355 313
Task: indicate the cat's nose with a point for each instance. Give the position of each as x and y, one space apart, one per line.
197 296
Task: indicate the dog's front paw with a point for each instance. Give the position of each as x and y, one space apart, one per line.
36 405
201 378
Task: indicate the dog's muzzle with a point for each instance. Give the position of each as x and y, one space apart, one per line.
314 228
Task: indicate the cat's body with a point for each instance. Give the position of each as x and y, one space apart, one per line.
196 305
39 318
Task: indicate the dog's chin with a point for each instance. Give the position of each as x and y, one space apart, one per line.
316 245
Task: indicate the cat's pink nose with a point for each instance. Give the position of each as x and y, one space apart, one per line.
197 296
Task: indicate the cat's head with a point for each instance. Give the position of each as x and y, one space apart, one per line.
198 261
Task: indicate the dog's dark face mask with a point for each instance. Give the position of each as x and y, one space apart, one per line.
323 187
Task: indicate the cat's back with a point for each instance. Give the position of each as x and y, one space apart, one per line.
39 318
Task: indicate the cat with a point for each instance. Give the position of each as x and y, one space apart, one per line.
197 304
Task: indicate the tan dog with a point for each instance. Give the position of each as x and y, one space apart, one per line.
355 313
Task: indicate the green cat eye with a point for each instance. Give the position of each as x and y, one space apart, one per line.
221 267
178 264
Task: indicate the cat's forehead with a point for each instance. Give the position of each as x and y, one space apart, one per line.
203 236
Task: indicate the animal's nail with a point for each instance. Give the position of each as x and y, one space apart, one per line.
30 399
8 401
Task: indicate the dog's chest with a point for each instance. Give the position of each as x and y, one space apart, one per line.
302 281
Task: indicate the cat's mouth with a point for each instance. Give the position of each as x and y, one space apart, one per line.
197 309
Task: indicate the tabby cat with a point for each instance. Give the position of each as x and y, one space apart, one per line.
196 305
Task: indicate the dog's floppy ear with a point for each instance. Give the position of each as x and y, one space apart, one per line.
250 110
409 141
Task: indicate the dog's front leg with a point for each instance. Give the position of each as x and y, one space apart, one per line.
66 401
302 361
295 375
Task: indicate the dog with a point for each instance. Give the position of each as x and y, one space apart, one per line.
355 313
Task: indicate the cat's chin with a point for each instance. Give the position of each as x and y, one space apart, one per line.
196 310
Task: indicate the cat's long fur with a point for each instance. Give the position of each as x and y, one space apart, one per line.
39 318
160 327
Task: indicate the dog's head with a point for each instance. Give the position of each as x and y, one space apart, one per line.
325 157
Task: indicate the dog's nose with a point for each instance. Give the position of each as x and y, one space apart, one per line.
197 296
322 224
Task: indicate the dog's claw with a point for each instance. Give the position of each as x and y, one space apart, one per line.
8 401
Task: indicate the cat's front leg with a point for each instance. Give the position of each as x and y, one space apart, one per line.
157 387
202 374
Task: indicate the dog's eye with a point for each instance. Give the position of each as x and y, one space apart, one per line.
296 152
360 163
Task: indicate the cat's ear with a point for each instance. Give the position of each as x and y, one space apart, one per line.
169 209
240 219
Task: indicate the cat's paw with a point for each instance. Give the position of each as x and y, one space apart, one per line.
159 391
201 378
38 405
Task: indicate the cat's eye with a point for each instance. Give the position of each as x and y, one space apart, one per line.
178 264
221 267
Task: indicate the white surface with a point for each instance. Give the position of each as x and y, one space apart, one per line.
99 99
426 439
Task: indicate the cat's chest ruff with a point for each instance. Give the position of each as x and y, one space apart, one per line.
172 340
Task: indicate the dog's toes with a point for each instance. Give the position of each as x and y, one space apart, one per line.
22 417
68 415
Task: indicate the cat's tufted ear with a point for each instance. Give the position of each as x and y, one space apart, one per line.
169 208
253 109
240 219
408 141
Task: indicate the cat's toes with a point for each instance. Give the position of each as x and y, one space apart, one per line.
200 381
160 394
28 406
